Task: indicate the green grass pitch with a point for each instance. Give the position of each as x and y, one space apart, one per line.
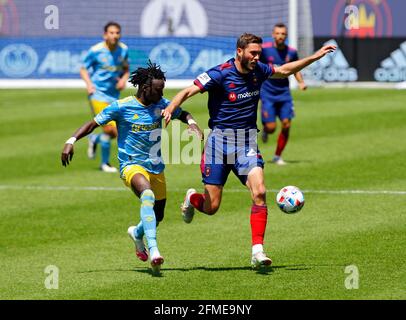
342 140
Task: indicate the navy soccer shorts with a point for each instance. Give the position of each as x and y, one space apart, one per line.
281 109
230 150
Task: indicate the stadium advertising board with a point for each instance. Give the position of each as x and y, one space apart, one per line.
358 18
181 58
186 58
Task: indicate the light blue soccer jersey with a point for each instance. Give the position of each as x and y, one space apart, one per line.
139 131
105 67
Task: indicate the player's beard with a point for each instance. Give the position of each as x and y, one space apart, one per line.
247 65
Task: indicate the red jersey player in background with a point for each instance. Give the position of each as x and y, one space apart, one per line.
276 100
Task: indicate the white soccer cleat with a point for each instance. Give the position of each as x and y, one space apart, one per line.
106 167
279 161
156 263
140 250
259 260
91 148
188 210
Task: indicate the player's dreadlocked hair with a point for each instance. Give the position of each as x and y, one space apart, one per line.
143 76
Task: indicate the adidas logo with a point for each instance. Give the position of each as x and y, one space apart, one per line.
393 69
332 67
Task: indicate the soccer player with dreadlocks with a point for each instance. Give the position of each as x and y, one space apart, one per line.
139 125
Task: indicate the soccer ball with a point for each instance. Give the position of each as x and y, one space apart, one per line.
290 199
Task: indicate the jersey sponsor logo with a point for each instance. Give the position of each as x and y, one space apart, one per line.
180 18
18 60
172 57
393 68
145 127
204 78
332 67
248 94
232 96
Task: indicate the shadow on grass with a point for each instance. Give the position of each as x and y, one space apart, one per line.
263 270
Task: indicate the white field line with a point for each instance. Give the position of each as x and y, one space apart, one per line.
93 188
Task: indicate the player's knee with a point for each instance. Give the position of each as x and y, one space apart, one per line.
147 198
259 195
286 125
104 139
212 208
269 127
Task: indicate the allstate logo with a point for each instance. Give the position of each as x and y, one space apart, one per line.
173 58
18 60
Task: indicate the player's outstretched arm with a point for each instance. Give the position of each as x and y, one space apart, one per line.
287 69
187 118
177 100
67 152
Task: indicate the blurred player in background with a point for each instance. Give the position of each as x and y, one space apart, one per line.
105 71
139 124
233 89
276 100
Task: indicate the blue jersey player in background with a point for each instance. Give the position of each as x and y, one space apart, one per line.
139 124
276 100
233 89
105 70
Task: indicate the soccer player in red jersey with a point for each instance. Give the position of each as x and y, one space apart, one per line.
234 88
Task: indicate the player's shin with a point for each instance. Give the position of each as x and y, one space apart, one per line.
259 216
149 221
282 141
105 147
139 231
